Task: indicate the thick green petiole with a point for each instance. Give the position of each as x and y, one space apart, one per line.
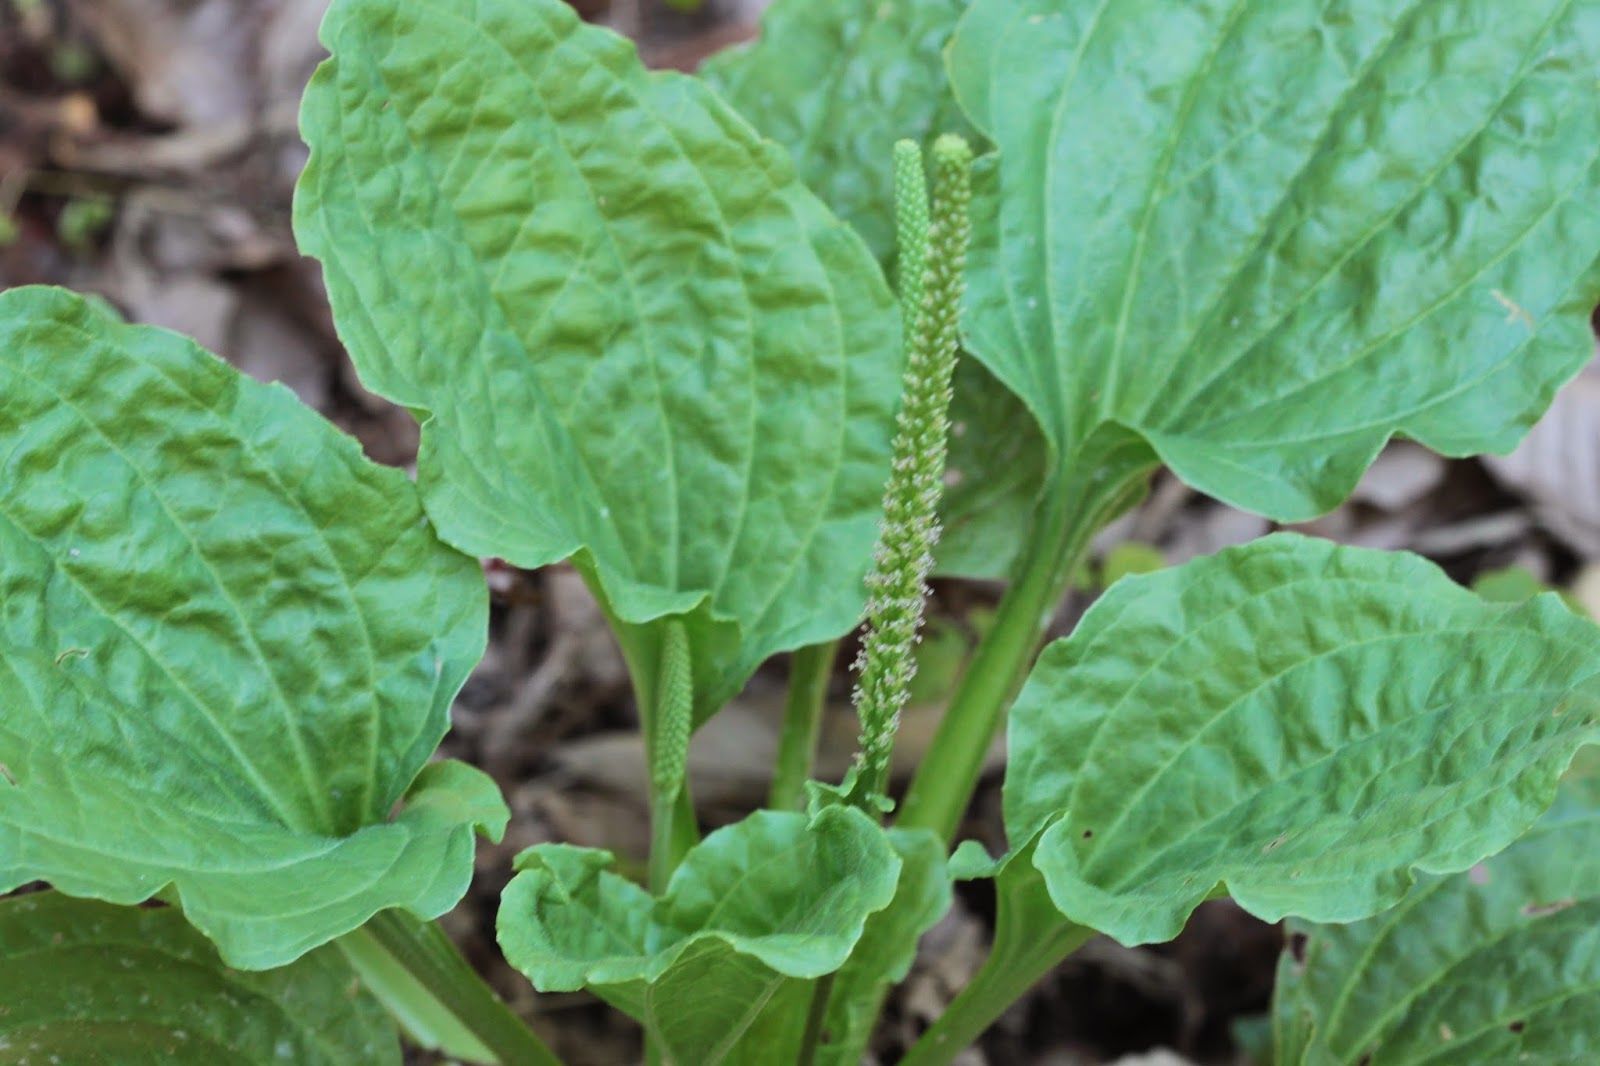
1105 479
809 671
436 995
1025 950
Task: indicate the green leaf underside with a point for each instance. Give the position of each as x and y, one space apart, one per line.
754 913
1303 723
1500 964
228 645
632 334
887 947
1268 234
836 82
87 982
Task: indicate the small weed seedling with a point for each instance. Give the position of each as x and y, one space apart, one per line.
643 321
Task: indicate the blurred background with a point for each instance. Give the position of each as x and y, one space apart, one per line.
148 152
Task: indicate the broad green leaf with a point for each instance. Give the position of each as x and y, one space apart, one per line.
85 982
631 334
1268 234
1500 964
887 947
228 646
1301 724
837 82
753 914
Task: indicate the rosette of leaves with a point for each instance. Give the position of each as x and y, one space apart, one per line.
632 336
136 985
1497 964
229 645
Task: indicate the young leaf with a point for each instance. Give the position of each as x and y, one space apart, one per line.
887 947
837 82
83 981
1268 234
1301 723
228 646
1500 964
754 912
631 333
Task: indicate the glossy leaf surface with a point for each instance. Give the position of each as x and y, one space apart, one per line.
631 333
1303 724
1268 234
1498 964
228 645
754 912
85 982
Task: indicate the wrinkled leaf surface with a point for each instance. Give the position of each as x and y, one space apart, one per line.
1268 234
1303 724
86 982
631 333
1498 964
755 912
228 645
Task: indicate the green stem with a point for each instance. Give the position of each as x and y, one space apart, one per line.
672 833
429 959
948 774
667 744
1031 937
1006 974
1105 477
811 1040
810 669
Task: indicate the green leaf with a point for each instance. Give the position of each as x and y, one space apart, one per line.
993 477
1128 558
887 947
228 646
86 982
1268 234
1511 584
754 913
1500 964
1301 723
631 334
837 82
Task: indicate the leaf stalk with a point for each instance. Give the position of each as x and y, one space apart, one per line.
1106 477
431 960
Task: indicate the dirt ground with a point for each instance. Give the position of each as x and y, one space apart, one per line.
148 152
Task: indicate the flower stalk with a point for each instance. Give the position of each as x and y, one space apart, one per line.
669 751
933 237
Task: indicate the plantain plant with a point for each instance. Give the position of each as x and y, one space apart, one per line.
644 323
